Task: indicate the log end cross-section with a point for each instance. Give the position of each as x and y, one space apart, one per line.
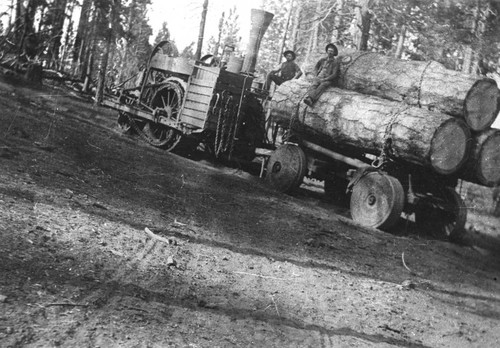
488 165
450 146
483 167
482 104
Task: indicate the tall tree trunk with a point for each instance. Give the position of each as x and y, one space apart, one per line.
315 33
361 24
402 32
309 48
103 64
87 74
18 21
69 33
89 52
337 21
401 42
468 51
283 42
125 50
217 45
27 28
296 26
201 34
79 48
467 62
365 24
11 16
58 10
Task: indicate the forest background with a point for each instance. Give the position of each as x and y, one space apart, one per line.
106 42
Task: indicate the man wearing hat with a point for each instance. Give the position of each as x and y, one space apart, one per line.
326 72
287 71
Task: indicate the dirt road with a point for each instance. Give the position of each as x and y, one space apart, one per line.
108 242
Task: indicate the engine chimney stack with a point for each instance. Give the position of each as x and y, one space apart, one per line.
260 22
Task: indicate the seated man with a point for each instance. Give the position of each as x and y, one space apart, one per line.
287 71
326 74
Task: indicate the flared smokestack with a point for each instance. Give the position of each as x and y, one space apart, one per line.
260 22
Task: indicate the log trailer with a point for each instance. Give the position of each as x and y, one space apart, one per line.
387 157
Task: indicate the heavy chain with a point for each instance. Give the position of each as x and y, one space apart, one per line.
225 109
386 152
421 82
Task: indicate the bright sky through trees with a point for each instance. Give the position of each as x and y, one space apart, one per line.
183 18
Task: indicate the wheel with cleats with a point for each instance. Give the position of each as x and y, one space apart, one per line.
169 98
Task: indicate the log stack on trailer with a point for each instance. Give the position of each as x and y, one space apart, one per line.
401 133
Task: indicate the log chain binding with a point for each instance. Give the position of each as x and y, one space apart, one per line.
226 125
386 153
420 83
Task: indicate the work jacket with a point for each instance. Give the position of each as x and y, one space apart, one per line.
328 69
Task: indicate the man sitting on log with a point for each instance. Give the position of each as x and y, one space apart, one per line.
287 71
326 73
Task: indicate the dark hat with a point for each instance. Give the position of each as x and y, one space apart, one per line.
289 52
330 45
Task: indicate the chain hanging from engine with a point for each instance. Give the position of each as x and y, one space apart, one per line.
225 108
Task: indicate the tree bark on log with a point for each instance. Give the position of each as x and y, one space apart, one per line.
425 84
349 120
483 166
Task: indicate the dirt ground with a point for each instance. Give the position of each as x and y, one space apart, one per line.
109 242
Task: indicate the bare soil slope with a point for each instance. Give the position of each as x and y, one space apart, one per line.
108 242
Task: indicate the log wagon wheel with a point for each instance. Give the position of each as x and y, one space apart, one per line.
286 168
377 200
168 97
443 215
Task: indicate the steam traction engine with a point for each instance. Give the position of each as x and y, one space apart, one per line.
177 105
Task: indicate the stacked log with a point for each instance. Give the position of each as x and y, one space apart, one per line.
424 84
366 123
483 166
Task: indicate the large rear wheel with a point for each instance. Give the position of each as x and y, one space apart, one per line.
377 200
168 98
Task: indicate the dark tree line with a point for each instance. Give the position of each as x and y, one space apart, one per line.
461 34
106 42
88 40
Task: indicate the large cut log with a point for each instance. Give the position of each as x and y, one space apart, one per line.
483 166
349 120
425 84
